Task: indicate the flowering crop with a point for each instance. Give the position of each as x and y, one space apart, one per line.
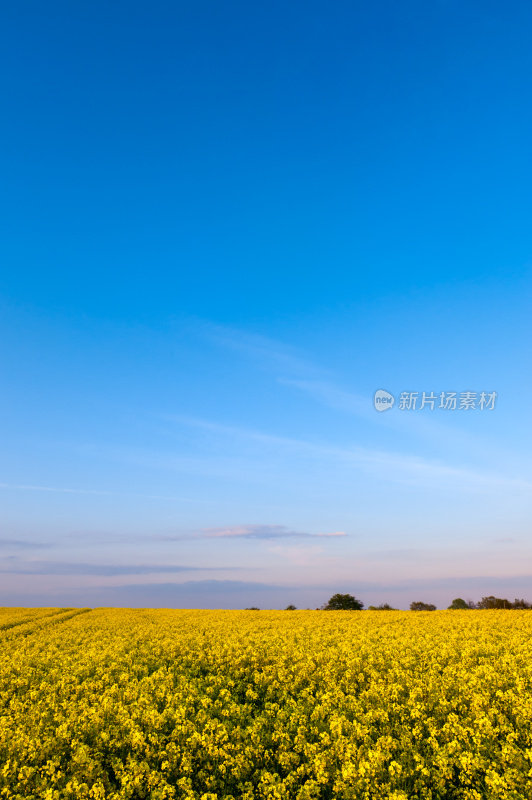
205 705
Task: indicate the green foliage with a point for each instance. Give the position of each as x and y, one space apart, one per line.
382 607
491 602
418 606
291 608
343 602
458 604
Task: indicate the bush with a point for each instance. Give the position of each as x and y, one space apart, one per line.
418 606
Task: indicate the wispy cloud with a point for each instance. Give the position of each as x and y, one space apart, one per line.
418 425
81 568
392 466
22 544
294 370
257 532
264 532
265 352
331 395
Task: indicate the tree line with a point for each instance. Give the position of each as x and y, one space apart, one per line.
347 602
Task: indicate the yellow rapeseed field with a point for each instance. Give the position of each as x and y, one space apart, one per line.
115 703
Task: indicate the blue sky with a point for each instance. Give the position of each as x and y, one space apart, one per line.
225 227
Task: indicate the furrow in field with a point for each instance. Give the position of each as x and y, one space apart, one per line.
34 625
27 618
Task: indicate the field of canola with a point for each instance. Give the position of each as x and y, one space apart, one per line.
115 703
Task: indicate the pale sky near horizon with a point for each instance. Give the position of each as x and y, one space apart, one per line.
224 228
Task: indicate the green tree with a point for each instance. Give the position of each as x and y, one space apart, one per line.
382 607
343 602
290 608
418 606
491 602
458 604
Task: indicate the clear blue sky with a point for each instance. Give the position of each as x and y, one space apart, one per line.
224 226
